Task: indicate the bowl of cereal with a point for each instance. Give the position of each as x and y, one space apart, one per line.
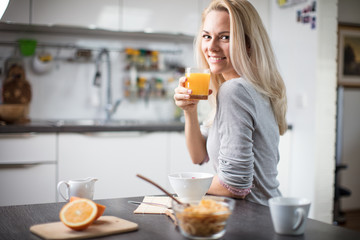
205 219
190 186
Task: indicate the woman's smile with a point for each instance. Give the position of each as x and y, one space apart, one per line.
215 59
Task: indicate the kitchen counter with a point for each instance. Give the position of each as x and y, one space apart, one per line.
91 125
249 221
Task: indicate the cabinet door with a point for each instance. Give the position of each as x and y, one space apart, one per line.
17 12
84 13
115 158
161 16
27 184
180 160
27 148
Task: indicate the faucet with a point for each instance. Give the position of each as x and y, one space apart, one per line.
110 108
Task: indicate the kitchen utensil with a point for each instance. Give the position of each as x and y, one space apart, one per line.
289 214
150 203
171 216
83 188
27 46
162 189
190 186
42 63
105 225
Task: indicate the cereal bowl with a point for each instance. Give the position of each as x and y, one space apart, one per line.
190 186
205 219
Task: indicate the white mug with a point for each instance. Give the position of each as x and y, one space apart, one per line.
83 188
289 214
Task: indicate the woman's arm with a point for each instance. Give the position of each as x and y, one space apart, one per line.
217 188
195 142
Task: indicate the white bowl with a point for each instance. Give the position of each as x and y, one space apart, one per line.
190 186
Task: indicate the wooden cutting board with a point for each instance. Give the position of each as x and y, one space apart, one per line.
105 225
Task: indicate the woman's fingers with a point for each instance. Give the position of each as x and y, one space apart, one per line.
182 81
182 96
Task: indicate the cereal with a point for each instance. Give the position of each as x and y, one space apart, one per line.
205 219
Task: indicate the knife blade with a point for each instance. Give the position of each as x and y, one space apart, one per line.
150 203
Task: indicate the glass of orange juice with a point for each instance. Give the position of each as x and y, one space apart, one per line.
198 81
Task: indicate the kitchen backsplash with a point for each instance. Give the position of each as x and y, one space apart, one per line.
144 73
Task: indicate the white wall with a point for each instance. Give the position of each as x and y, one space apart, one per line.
307 61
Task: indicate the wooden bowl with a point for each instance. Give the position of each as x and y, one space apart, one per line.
11 113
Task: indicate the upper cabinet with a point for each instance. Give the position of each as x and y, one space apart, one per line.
169 16
17 12
164 16
84 13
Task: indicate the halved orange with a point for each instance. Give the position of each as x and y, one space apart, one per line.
79 215
101 208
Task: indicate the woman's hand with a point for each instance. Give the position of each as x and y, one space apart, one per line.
182 97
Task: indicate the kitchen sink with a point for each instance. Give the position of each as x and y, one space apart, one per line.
96 122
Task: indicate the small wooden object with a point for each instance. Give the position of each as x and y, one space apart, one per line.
105 225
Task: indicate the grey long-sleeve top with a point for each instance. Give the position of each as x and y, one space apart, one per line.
242 143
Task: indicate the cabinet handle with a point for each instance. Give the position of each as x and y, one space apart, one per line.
23 164
17 135
115 134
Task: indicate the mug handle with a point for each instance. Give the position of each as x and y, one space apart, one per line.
67 190
300 218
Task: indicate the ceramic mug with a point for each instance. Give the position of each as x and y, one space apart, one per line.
83 188
289 214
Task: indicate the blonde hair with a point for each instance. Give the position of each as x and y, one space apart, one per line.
251 55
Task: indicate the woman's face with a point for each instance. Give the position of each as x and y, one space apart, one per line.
215 44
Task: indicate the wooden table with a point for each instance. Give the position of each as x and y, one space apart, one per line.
249 221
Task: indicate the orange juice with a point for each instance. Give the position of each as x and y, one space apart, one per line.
199 84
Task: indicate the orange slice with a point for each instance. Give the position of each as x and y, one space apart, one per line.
101 208
79 215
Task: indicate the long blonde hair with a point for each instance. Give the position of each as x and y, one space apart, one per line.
251 55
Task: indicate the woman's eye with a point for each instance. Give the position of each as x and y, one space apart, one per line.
206 36
224 37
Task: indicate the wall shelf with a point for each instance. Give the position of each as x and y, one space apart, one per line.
99 33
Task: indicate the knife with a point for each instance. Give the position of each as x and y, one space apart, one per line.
150 203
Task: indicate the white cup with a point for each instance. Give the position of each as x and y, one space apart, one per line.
83 188
289 214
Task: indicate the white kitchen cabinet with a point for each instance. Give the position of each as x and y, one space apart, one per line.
27 184
179 156
115 158
17 12
83 13
169 16
27 168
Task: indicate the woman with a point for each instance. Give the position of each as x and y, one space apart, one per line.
241 137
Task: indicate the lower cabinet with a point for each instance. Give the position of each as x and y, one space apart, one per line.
27 168
179 157
27 184
115 158
32 164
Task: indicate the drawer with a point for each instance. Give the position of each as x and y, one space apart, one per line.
27 184
27 148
